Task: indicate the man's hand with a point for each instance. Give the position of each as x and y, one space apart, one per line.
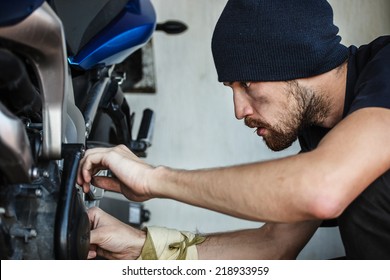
130 172
112 239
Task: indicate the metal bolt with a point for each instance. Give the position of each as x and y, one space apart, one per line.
38 193
33 233
82 151
34 173
45 174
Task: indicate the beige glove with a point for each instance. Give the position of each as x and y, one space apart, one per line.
169 244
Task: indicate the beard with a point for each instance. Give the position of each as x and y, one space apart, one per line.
278 137
306 107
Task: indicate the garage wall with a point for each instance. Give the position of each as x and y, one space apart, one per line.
195 124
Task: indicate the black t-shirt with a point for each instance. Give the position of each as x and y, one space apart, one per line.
368 85
365 224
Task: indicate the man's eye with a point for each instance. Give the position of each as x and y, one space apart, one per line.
245 84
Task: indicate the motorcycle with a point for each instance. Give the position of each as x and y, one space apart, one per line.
60 93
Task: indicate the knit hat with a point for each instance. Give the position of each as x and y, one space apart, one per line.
276 40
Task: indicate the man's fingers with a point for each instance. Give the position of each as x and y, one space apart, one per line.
97 237
98 217
107 183
92 252
90 164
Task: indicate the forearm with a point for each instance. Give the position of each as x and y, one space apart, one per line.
262 191
271 241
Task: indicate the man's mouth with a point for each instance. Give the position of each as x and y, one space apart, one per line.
261 131
260 127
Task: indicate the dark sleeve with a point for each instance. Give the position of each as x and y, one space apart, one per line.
373 85
310 137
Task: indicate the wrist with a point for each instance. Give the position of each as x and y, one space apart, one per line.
139 243
158 185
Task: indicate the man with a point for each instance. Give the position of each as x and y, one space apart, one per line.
291 78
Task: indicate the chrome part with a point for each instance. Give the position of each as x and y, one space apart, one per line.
16 158
45 174
34 173
38 193
95 194
41 37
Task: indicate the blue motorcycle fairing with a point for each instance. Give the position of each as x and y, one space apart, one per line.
16 10
125 34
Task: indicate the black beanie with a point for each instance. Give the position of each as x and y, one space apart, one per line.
276 40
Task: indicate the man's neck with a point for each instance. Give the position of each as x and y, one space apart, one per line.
334 85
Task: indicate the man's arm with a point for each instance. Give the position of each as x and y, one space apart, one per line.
112 239
271 241
315 185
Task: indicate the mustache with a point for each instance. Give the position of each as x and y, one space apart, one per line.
254 123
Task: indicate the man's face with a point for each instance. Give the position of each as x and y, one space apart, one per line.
277 110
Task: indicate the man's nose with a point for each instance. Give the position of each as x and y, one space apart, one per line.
242 106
